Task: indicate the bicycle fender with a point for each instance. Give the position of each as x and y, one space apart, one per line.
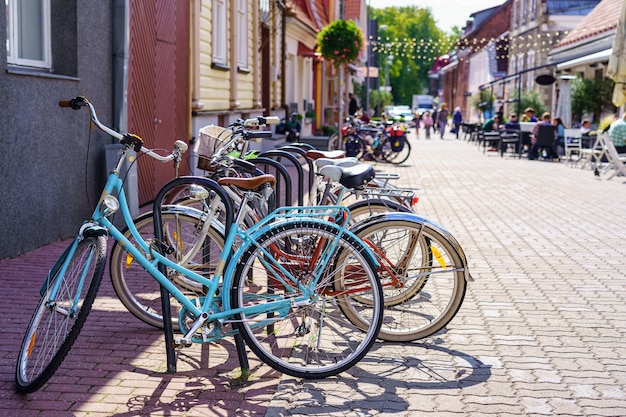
230 269
56 266
412 217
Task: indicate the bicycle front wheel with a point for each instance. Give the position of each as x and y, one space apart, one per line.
422 276
310 339
138 291
60 315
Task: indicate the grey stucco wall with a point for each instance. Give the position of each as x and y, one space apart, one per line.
51 169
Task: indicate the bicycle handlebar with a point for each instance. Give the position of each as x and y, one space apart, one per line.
135 141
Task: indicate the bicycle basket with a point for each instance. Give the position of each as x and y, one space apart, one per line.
211 138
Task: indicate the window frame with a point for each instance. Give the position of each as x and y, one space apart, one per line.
219 33
242 34
12 44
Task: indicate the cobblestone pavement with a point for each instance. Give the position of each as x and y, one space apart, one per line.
541 331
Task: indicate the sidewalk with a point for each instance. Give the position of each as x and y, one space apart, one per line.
540 332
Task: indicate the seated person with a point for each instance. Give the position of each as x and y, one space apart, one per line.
585 133
492 124
512 126
533 152
585 128
617 132
529 115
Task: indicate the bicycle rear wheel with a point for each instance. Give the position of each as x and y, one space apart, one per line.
313 339
422 277
56 323
138 291
397 157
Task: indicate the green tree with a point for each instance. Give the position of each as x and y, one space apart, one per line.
593 96
385 99
414 41
529 98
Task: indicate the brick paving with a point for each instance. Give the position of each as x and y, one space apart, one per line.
541 331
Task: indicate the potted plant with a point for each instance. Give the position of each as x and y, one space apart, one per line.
340 42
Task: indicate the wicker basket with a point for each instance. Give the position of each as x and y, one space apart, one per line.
210 139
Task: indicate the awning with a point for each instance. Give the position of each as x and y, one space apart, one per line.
304 50
587 59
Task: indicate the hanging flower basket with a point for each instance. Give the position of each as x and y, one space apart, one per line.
340 42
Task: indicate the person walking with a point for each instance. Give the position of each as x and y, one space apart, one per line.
427 120
457 119
442 119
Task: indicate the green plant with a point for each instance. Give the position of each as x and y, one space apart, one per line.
529 98
340 42
328 130
310 115
382 98
483 102
592 96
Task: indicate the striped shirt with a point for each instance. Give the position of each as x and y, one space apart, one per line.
617 131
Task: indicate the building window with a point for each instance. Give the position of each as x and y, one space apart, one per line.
220 32
533 10
242 34
28 33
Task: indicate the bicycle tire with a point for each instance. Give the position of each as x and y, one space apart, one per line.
400 157
311 341
52 331
137 290
364 209
334 143
435 294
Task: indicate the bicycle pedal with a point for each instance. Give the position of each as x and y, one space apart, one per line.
182 343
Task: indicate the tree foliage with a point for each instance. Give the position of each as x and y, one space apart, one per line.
592 96
408 74
529 98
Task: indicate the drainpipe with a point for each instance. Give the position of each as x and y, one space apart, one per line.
283 57
121 25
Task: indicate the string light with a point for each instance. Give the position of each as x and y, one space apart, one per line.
430 49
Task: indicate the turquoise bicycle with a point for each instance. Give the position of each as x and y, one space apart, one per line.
286 289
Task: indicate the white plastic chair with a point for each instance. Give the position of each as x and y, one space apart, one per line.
573 145
616 160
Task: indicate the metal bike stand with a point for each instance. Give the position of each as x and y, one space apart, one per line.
165 298
278 154
284 174
302 153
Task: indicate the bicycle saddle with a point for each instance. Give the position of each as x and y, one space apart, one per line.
350 177
317 154
342 162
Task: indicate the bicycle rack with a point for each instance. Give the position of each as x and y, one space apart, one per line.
281 172
278 154
302 153
165 299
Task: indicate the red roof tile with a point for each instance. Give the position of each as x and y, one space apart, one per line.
602 19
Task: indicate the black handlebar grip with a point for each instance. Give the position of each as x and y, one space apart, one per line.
75 103
261 134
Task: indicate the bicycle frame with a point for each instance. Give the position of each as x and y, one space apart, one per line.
225 270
